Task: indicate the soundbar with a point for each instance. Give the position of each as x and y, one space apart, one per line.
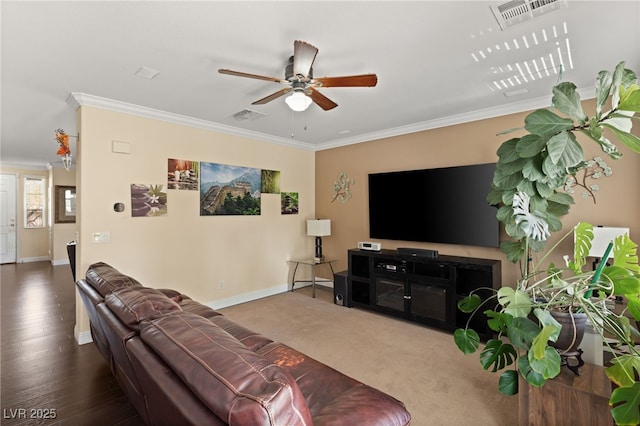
416 252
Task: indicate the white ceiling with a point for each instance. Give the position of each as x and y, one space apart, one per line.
436 62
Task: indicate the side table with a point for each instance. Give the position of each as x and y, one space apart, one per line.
314 264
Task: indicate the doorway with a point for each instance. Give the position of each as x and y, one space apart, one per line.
8 248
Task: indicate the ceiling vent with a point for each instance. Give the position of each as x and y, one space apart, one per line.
518 11
248 114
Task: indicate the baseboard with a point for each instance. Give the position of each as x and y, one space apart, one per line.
33 259
247 297
82 337
60 262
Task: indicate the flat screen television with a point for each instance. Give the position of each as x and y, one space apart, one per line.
441 205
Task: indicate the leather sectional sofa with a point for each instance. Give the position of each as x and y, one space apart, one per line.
181 362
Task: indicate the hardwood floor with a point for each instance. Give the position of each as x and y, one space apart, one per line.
46 377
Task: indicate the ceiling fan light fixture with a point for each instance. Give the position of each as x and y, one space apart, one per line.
298 101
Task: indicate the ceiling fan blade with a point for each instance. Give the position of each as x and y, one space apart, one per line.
364 80
321 100
272 96
256 76
303 56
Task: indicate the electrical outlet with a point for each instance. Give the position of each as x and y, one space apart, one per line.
221 284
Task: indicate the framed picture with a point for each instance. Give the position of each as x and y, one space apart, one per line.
65 204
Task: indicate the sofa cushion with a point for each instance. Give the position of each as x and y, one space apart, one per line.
133 305
238 385
105 278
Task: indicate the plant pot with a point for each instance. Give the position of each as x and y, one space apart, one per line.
572 332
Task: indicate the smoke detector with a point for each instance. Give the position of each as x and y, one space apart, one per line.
518 11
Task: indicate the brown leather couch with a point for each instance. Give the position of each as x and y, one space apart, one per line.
181 362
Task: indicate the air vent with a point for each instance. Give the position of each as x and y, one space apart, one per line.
518 11
248 114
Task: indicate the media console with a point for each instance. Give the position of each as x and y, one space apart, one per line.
420 289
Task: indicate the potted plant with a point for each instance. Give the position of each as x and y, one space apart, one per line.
530 172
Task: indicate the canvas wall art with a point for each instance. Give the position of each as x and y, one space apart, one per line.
148 200
270 182
289 203
229 190
182 174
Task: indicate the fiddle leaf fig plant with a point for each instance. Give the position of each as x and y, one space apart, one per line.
539 163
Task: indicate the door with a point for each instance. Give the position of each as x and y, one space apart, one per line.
8 218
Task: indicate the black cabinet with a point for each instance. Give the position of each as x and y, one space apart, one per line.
424 290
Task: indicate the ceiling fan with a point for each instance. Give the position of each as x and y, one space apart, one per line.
301 84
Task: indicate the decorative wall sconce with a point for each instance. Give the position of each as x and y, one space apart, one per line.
63 149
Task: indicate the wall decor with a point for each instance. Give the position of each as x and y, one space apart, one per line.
182 174
148 200
65 204
270 182
289 203
341 190
229 190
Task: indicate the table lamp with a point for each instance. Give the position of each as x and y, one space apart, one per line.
319 228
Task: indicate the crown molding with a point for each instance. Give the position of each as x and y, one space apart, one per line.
76 100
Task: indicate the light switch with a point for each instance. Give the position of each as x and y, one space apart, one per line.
101 237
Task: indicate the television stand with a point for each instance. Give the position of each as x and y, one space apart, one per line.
421 289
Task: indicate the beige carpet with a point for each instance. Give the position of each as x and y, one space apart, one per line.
418 365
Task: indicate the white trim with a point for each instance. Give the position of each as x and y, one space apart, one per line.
76 99
82 337
33 259
247 297
60 262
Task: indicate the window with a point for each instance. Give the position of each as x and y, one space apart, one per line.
34 202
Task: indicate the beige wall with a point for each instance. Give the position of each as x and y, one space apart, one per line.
61 233
32 244
183 250
618 202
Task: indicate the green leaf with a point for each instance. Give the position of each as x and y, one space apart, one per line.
564 150
552 326
515 302
618 74
624 369
566 100
531 145
630 140
548 365
633 305
497 355
625 253
545 123
624 281
630 99
508 382
507 151
522 331
514 250
603 89
467 340
532 170
583 235
626 405
605 144
498 321
532 377
469 303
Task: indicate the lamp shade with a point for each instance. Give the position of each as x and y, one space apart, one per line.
319 227
602 236
298 101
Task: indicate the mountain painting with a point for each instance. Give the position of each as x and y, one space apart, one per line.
229 190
